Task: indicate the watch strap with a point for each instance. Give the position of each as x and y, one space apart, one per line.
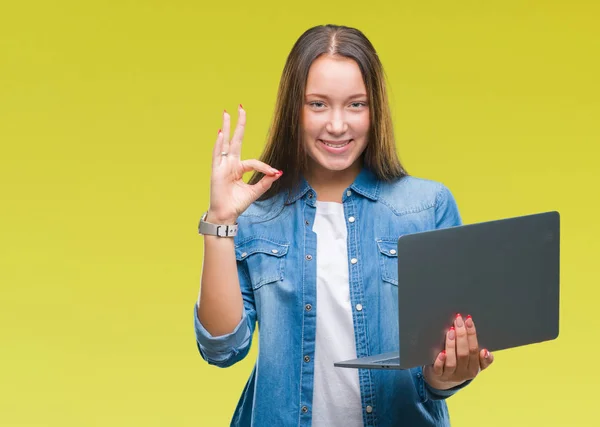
221 230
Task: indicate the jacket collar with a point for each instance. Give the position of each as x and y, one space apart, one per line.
365 184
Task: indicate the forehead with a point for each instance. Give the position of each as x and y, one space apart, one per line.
335 76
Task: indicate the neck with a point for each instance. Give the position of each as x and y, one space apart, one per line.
330 185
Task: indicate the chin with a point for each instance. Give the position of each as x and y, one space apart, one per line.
339 165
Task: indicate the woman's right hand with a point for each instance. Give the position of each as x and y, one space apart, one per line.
229 194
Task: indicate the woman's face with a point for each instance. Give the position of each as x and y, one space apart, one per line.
335 116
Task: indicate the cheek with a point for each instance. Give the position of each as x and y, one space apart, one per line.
312 124
361 125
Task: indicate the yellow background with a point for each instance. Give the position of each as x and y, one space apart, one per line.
108 114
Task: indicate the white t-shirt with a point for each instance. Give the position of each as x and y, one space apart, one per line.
336 395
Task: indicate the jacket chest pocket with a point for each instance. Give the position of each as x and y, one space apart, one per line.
388 259
264 258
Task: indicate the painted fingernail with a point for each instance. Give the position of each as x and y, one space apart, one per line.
280 172
443 355
469 321
219 131
451 333
486 354
241 106
225 111
459 320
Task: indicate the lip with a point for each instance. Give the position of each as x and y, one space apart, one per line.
335 150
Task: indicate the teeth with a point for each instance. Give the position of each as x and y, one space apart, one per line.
336 146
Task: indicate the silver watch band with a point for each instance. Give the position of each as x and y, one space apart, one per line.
216 229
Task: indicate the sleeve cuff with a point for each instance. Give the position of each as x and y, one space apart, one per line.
220 348
436 394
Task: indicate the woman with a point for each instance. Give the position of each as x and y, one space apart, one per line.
313 261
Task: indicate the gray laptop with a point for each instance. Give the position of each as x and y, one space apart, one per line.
505 273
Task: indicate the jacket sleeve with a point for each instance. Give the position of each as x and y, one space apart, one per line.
435 394
225 350
446 210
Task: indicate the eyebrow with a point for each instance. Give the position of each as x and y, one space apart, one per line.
358 95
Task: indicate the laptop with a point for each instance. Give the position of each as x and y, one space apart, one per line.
504 273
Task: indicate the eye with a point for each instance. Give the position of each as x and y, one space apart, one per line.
314 104
359 104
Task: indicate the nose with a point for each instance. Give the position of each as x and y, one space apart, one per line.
336 125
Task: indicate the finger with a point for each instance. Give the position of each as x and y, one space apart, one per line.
473 346
226 123
217 149
264 184
450 364
235 146
485 358
438 365
250 165
462 345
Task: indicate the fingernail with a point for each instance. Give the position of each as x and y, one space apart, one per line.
280 172
241 106
459 321
469 321
443 355
225 111
219 131
486 354
451 334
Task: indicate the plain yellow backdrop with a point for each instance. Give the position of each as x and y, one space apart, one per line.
108 114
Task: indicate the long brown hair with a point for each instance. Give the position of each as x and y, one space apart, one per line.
284 149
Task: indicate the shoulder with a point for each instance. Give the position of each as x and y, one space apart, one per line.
411 194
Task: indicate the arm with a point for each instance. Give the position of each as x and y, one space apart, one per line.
446 215
462 360
224 315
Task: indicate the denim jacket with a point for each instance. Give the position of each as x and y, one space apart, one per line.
276 259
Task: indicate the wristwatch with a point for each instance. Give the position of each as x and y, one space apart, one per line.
216 229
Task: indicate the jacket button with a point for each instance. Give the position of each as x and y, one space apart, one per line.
359 307
393 251
304 409
307 359
309 257
308 307
353 260
369 409
274 251
348 193
351 219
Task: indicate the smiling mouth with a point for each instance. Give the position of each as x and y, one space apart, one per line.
336 144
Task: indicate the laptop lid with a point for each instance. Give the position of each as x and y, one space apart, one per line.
504 273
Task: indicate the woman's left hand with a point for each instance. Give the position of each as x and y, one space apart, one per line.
462 359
